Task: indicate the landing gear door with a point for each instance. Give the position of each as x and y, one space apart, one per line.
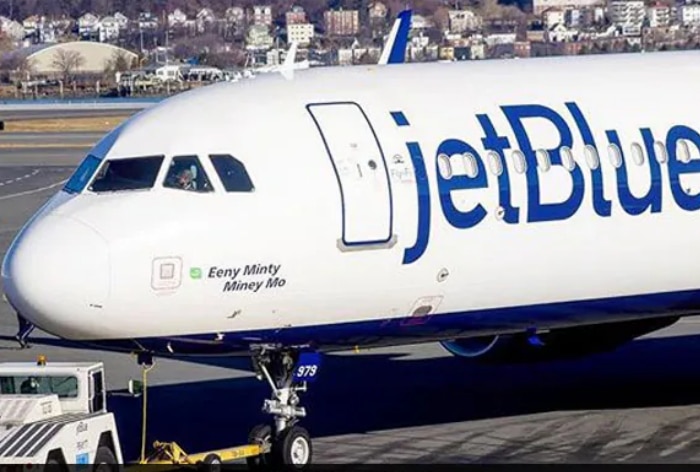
361 170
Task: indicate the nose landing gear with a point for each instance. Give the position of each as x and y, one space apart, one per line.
287 372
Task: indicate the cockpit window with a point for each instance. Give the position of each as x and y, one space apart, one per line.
232 173
127 174
82 174
186 173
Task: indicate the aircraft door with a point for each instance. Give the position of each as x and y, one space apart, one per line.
362 174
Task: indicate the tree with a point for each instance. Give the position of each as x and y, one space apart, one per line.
441 19
67 62
5 44
118 63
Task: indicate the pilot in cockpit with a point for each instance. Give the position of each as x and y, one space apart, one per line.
185 180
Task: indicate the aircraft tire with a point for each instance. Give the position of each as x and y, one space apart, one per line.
292 448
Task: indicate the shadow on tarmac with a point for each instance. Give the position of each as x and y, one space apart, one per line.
367 392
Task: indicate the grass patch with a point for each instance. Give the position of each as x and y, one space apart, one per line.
65 125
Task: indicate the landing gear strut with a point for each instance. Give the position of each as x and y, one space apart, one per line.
287 373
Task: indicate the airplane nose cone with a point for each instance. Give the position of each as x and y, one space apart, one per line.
56 275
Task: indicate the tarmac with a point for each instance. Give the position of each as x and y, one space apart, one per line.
412 404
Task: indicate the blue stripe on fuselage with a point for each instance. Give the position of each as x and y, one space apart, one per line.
442 326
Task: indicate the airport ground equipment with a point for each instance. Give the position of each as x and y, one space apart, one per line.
264 451
55 413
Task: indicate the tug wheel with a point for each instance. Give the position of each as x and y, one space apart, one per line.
262 436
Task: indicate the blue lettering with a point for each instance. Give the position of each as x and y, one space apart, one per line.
454 216
413 253
538 211
498 144
631 204
600 205
449 184
676 168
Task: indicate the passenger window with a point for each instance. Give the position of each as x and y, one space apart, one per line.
186 173
615 155
592 157
567 159
472 169
444 166
660 149
134 173
495 163
637 154
519 162
543 161
232 173
683 151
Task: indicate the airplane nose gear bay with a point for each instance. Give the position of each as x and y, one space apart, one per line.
288 372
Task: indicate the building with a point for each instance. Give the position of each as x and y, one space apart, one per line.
462 21
659 16
12 29
552 17
377 11
235 15
295 16
301 33
628 15
77 58
341 22
539 6
262 15
177 18
87 25
259 38
573 18
107 29
689 14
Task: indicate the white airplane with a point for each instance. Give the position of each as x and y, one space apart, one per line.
511 211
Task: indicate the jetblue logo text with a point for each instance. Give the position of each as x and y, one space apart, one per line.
538 211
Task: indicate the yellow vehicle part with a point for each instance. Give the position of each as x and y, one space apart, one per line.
172 453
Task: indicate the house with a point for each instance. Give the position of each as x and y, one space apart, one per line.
462 21
177 18
234 16
377 11
147 21
560 34
204 18
552 17
108 29
12 29
121 20
88 25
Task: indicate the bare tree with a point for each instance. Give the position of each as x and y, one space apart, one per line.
119 62
67 62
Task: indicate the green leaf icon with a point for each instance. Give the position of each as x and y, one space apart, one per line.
195 273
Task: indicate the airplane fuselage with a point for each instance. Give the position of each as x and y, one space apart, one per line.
390 204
